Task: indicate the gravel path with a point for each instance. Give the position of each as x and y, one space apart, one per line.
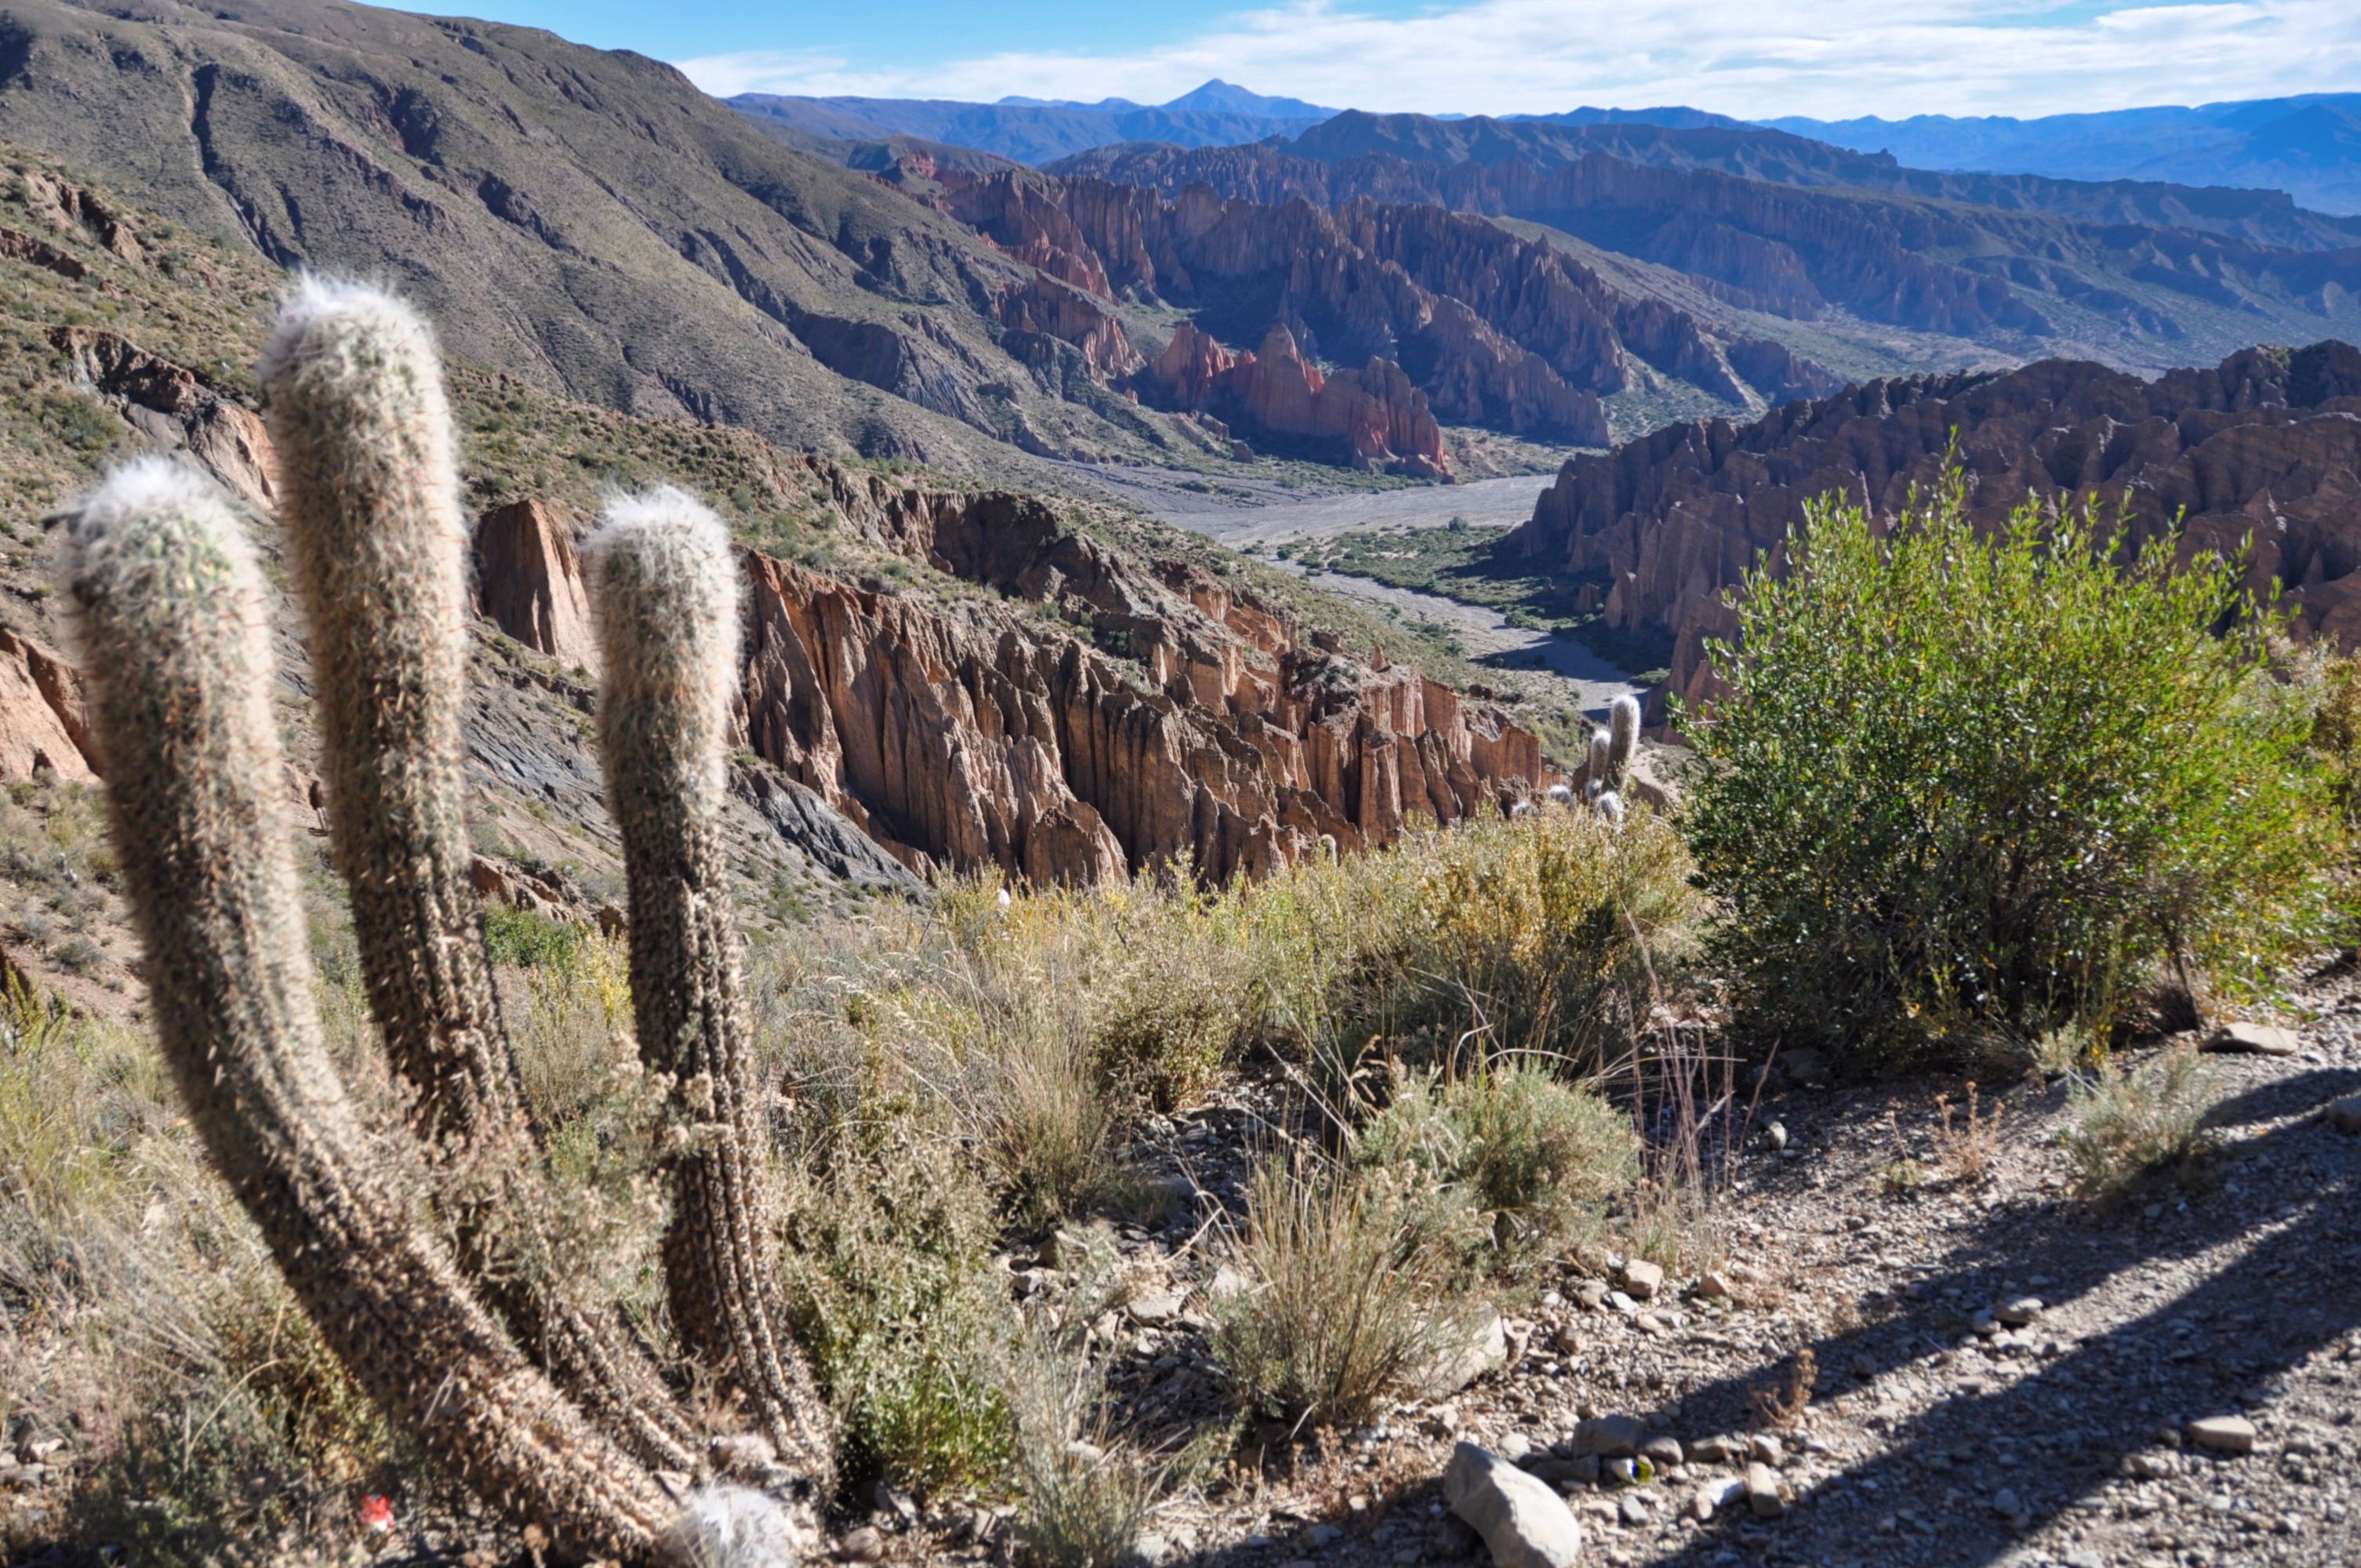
1932 1437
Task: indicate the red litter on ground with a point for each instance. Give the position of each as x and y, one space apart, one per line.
377 1514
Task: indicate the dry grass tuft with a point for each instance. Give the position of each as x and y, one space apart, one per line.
2131 1125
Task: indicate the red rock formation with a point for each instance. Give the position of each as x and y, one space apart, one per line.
174 406
42 722
530 582
1063 312
1787 248
2265 445
1339 300
968 734
1382 420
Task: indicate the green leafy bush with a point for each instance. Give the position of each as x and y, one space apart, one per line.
889 1278
526 938
1994 777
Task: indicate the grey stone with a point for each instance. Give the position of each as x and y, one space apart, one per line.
2019 1311
2253 1040
1718 1449
1643 1279
1715 1285
1524 1523
1610 1436
1485 1349
2005 1502
1591 1293
1633 1508
1764 1449
863 1545
1778 1133
1664 1453
1157 1306
1514 1446
2224 1434
1762 1492
1715 1495
2344 1114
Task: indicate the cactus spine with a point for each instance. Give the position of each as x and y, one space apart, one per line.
370 500
171 625
664 596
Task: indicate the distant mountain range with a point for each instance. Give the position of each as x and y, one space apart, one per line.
1032 130
2308 147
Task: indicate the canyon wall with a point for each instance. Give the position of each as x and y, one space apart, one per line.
2266 447
1383 421
1378 288
969 733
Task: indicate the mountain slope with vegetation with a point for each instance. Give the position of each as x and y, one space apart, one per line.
584 219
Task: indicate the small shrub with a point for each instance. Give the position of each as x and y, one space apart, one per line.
894 1295
1968 1149
79 955
526 938
1352 1296
1537 1158
2131 1125
1053 1121
1085 1493
1962 778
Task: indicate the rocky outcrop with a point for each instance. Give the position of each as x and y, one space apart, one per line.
1383 422
43 725
529 581
1347 292
173 407
1193 724
1786 248
2265 447
1048 307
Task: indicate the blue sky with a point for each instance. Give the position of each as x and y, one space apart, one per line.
1829 59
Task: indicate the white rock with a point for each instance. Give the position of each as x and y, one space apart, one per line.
1524 1523
2253 1039
2225 1434
2344 1114
1157 1306
2018 1310
1485 1350
1762 1492
1643 1279
1715 1495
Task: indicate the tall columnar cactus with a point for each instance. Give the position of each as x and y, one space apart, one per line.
170 620
369 496
1622 737
664 595
1594 772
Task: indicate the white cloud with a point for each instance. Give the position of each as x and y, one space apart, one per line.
1829 59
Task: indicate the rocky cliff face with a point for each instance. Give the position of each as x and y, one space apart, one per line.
1383 421
1443 298
967 734
2265 445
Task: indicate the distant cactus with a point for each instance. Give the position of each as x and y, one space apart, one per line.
369 494
176 645
1594 773
1624 737
664 595
172 624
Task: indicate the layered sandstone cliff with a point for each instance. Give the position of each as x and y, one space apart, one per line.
968 734
1382 420
1434 294
2264 448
